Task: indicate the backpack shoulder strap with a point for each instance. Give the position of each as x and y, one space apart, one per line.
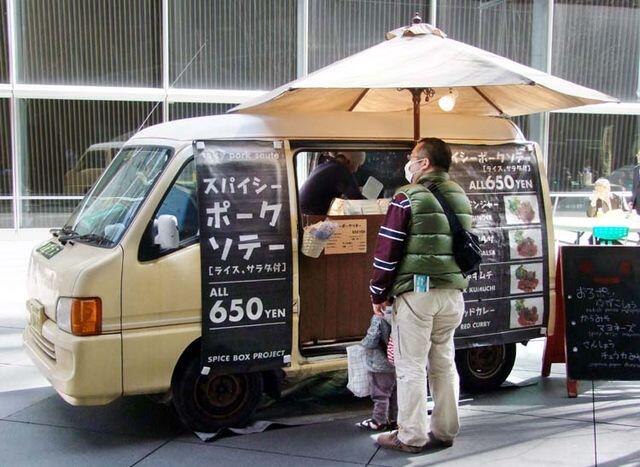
454 222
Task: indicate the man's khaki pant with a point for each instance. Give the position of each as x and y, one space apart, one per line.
423 328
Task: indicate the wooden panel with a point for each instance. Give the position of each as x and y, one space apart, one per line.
334 290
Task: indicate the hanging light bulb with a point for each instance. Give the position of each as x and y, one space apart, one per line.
448 101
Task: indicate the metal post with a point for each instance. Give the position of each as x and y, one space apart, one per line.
303 38
542 33
544 143
165 59
433 12
14 114
415 94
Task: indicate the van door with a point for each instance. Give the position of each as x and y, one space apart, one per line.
161 293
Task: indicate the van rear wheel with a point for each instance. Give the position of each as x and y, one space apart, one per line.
208 403
485 368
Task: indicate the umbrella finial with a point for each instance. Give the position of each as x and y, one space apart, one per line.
417 19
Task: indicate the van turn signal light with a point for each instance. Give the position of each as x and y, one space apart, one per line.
86 316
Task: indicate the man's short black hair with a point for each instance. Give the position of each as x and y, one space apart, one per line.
437 151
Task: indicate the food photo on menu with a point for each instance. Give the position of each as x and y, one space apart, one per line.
525 243
526 312
521 209
526 278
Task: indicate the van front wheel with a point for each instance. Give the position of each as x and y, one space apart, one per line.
485 368
208 403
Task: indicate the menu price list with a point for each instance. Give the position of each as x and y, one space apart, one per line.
602 308
510 290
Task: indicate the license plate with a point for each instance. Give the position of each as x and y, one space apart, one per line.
36 315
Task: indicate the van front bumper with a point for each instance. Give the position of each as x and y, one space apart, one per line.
84 370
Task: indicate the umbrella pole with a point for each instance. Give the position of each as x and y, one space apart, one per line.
415 94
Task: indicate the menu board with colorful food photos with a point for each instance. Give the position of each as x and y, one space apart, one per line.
507 300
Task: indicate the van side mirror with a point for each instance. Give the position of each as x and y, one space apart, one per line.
167 236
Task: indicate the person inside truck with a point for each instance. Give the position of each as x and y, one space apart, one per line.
331 179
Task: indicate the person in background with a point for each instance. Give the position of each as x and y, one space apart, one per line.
331 179
415 244
635 190
602 199
381 375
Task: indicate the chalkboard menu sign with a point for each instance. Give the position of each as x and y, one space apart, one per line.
602 310
508 299
246 259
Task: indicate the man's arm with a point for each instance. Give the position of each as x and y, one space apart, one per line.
389 249
347 184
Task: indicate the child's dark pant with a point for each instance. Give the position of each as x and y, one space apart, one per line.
383 394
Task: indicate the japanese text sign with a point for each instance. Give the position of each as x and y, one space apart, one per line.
246 259
508 298
350 237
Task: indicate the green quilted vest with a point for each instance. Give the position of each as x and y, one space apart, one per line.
429 245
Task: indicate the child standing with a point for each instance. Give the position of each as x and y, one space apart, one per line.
381 375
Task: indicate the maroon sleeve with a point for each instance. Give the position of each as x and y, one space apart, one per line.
390 247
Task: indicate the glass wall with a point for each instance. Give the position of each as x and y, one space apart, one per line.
221 49
502 27
6 172
584 147
180 110
596 43
4 44
70 143
339 28
90 42
232 44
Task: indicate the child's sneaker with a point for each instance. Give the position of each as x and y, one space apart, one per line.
372 425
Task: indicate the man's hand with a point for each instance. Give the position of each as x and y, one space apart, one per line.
378 308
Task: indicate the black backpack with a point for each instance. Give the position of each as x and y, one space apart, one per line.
466 245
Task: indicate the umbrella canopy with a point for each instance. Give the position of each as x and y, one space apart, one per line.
413 69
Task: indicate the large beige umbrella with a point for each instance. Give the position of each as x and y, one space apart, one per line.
414 69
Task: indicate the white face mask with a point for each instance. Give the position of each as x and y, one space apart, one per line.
408 174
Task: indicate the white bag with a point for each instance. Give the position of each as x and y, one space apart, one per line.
357 368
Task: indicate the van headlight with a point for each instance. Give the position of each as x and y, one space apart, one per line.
79 316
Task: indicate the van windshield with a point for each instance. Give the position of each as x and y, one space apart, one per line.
106 211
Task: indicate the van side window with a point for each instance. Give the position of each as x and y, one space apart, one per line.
323 184
181 201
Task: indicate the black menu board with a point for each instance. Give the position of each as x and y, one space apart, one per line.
245 252
601 288
507 301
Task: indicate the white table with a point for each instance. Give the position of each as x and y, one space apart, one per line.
580 225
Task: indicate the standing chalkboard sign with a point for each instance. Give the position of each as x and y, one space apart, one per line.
602 309
246 256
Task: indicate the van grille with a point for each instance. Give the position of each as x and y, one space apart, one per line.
43 344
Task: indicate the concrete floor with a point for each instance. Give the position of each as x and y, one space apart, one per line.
531 425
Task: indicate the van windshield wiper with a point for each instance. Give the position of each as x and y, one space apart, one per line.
91 238
66 230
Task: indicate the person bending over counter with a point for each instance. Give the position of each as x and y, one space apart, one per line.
602 199
331 179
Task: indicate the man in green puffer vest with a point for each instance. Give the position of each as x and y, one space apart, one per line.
414 269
